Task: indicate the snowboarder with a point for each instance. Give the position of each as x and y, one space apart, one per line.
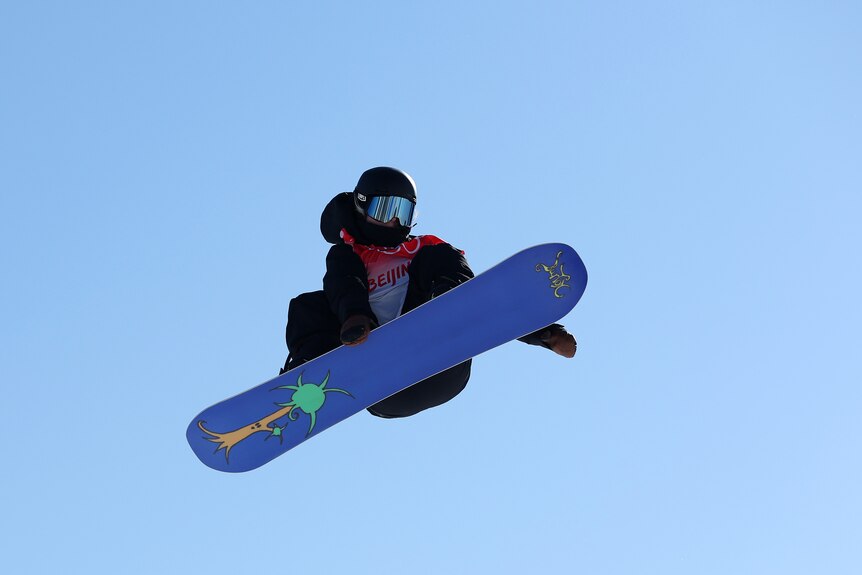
375 271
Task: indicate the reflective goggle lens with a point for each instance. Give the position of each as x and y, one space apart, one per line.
384 208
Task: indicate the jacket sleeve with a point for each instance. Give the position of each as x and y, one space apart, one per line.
346 283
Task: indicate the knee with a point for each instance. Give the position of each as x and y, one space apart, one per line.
314 300
312 328
309 313
308 299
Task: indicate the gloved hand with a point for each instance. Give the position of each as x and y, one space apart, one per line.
356 328
559 341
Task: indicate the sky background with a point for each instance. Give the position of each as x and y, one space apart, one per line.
163 166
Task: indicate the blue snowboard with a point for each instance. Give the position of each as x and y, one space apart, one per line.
532 289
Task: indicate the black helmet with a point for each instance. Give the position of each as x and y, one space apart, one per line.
385 182
381 194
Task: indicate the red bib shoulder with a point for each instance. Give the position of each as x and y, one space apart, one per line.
406 250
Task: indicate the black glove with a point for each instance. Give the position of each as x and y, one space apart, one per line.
356 328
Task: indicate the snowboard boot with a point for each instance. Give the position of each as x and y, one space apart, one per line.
558 340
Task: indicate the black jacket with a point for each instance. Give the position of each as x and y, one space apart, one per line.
346 279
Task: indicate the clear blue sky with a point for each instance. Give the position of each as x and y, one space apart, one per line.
163 166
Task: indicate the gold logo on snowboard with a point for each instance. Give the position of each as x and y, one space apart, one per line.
556 274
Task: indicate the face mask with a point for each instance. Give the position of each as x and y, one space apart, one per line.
381 236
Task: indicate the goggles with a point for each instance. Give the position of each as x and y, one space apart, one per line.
384 208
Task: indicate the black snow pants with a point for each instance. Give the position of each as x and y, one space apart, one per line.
314 326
